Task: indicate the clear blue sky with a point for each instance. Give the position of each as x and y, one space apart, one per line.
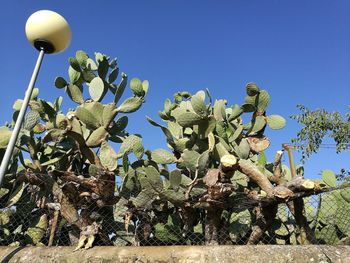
298 50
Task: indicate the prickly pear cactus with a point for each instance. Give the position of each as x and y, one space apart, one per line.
72 158
203 137
79 177
221 186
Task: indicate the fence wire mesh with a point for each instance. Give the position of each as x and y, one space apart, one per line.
35 214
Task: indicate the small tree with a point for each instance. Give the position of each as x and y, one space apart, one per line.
318 125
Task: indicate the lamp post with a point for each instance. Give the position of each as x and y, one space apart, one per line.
49 33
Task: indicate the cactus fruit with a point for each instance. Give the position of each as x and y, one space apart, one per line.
275 122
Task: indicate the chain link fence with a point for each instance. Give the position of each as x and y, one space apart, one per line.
31 216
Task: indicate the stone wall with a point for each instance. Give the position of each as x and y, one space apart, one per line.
172 254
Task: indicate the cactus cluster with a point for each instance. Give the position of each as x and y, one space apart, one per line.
212 185
214 180
72 164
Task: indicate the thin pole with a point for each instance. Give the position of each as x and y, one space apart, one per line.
18 125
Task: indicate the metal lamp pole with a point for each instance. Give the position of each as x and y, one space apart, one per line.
49 33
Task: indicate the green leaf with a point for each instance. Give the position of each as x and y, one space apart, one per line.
175 129
203 163
329 178
48 109
240 178
240 223
74 75
99 57
258 124
175 197
113 75
328 235
280 228
276 122
263 100
75 93
205 127
262 159
154 176
145 86
345 194
236 112
221 130
103 68
109 112
144 198
167 233
129 144
188 119
237 133
120 88
219 110
17 105
87 117
138 149
136 87
252 89
175 179
52 161
97 137
97 89
16 195
58 103
88 75
198 104
74 64
119 125
108 156
113 63
167 106
94 169
31 119
95 108
125 163
161 156
243 149
81 57
5 218
34 94
328 208
247 108
60 82
130 105
190 159
38 228
90 64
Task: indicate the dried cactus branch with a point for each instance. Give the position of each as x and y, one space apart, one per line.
256 175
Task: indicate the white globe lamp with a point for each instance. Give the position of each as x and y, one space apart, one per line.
48 30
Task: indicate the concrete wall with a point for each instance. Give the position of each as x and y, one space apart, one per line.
170 254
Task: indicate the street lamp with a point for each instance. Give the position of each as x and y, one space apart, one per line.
49 33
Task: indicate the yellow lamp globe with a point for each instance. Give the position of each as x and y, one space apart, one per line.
49 31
